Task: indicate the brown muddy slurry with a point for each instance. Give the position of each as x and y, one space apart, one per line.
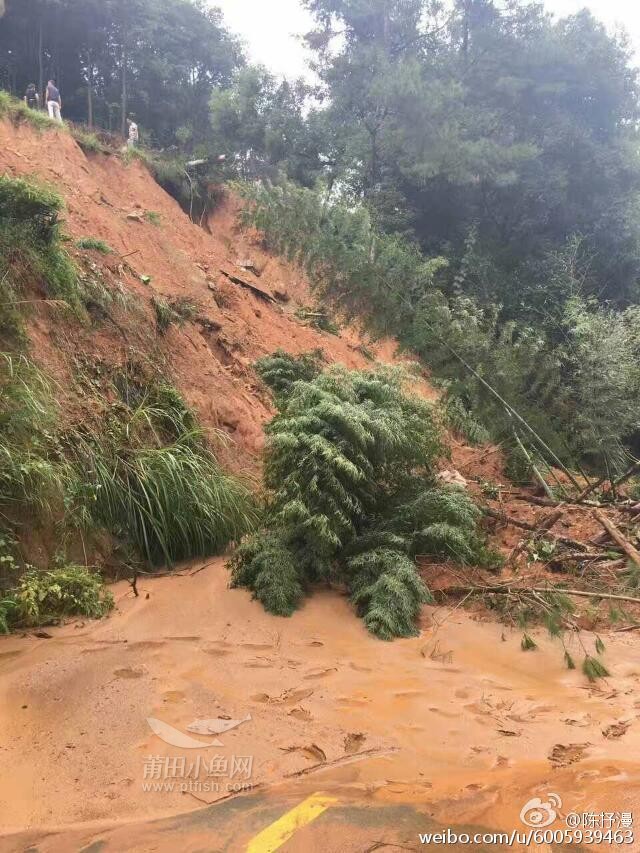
457 727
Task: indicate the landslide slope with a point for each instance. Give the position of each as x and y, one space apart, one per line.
208 358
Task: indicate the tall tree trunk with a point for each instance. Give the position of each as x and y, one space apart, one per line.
466 27
90 88
125 60
40 56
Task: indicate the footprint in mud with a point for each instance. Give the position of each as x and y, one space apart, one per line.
173 696
353 742
184 639
9 655
259 663
300 714
141 645
442 713
217 652
353 701
408 694
359 668
461 694
127 672
320 673
289 697
258 647
562 755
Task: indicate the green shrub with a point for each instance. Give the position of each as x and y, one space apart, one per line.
153 217
349 470
30 241
93 243
44 598
281 369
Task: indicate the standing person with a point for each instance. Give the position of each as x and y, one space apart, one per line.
31 97
53 101
134 136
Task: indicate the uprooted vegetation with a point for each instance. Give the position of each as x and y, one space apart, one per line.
352 498
352 495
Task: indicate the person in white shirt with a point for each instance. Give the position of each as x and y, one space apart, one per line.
53 101
133 133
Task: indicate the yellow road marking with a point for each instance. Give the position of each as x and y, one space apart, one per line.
274 836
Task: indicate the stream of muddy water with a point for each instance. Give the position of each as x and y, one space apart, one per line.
122 732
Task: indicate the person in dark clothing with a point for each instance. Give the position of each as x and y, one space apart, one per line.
31 97
53 101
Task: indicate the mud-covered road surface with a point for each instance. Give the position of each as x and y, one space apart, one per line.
457 727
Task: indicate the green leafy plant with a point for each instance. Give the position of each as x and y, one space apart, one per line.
281 369
153 217
351 495
43 598
93 243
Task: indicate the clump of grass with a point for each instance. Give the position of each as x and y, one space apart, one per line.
177 311
156 484
153 217
45 598
31 243
32 474
165 315
18 112
89 141
94 244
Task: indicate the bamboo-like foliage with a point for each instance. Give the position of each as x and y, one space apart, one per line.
349 471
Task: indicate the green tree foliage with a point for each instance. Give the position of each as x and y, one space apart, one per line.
280 370
157 59
489 118
349 472
262 122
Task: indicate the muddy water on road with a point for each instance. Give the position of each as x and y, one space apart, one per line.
458 722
